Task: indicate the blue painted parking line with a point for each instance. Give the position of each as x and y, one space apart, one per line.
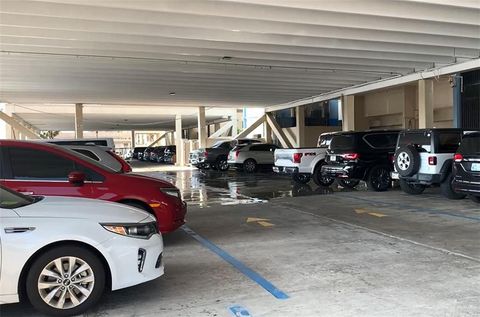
254 276
414 209
239 311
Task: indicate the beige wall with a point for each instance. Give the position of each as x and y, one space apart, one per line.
397 107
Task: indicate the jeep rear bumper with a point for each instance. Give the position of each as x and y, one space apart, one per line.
424 179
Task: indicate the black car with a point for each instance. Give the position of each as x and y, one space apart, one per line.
157 154
146 154
466 167
355 156
138 152
169 155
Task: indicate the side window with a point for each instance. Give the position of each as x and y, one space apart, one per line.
87 153
448 142
39 165
260 147
90 174
381 140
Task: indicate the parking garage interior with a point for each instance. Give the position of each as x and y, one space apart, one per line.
190 74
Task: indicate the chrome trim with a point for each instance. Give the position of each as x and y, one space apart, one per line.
18 229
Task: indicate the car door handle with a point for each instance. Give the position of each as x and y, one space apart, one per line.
26 193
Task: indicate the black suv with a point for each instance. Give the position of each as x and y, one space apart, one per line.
355 156
466 167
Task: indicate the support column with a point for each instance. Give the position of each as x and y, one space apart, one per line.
202 128
457 100
348 106
234 119
133 139
425 103
267 131
178 141
300 125
78 121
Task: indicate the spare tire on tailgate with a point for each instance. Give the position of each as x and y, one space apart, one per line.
407 160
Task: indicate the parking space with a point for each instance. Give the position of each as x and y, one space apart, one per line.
254 244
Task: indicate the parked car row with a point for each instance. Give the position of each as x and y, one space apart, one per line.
449 158
61 249
157 154
216 156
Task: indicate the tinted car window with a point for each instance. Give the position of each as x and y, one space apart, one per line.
324 141
417 139
36 164
448 142
381 140
260 147
88 154
341 142
470 145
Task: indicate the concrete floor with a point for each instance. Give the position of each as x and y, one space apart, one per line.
332 252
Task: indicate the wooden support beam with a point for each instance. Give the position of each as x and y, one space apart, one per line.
220 132
252 127
277 130
18 127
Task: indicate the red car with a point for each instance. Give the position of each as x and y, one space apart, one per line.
45 169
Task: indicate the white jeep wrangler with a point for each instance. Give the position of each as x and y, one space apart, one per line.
424 158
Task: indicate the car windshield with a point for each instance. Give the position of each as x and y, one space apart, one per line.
342 142
10 199
470 145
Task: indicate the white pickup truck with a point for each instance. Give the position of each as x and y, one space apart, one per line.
304 163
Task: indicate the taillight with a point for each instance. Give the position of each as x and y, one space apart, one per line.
458 157
205 154
126 168
297 157
432 160
351 156
236 154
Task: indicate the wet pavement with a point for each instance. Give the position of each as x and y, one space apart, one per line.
207 188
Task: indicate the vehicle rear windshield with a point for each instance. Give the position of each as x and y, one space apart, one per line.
324 141
448 142
343 142
470 145
418 139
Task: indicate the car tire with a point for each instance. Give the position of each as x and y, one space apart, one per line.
301 178
447 189
412 189
250 166
348 183
475 199
222 164
320 179
407 160
379 178
72 257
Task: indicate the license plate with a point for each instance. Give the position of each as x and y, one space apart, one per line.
333 158
475 167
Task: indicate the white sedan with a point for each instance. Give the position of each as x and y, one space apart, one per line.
62 253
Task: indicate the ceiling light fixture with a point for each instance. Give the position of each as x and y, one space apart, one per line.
172 93
227 58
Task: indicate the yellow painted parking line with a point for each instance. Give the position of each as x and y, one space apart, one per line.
370 212
265 224
250 219
377 214
361 211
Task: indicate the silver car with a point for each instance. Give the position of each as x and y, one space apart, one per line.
250 157
103 155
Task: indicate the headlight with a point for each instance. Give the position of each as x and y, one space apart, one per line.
134 230
172 192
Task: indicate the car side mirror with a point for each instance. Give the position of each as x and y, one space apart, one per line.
76 178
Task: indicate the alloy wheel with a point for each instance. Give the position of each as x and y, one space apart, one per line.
66 282
403 161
